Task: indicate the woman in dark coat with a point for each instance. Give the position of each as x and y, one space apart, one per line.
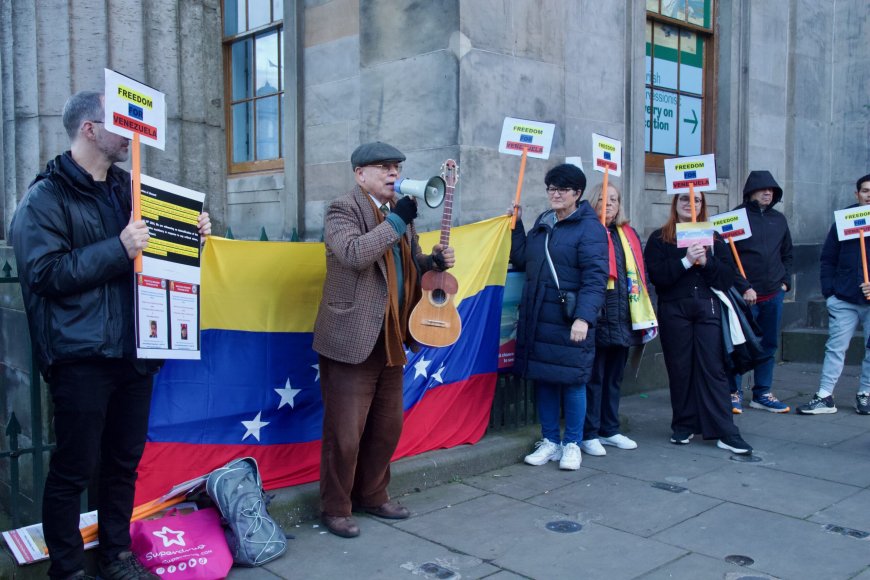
555 350
691 328
627 319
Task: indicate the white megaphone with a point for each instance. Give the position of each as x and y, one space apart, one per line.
431 191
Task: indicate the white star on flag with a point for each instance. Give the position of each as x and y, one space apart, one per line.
317 368
437 375
420 367
178 539
253 427
288 394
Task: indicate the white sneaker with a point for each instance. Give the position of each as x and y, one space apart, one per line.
545 450
593 447
620 441
570 457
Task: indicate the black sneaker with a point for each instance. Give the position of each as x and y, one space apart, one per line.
862 404
734 444
681 438
125 566
818 406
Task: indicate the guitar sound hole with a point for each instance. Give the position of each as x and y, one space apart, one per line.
439 297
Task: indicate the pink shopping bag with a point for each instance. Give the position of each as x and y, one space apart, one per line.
183 547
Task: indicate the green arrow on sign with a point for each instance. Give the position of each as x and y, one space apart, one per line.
693 121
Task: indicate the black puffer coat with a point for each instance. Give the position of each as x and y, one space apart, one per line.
578 248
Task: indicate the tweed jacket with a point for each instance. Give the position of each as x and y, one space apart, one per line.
351 312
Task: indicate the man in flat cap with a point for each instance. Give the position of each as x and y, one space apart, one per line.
373 266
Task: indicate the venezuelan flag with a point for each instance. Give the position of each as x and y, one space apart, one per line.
256 390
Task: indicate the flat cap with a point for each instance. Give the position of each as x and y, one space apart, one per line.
370 153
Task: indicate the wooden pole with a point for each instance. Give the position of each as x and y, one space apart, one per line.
736 257
604 197
519 187
692 201
137 194
864 259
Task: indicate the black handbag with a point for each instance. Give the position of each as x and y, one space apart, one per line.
742 358
567 298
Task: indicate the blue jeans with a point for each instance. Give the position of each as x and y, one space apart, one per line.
843 318
548 397
768 315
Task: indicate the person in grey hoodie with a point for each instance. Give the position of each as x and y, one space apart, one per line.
767 259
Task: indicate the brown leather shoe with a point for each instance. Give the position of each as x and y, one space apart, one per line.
390 510
344 526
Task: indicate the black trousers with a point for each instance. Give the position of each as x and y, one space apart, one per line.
602 392
691 334
101 409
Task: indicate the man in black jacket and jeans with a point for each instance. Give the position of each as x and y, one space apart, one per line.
74 241
767 258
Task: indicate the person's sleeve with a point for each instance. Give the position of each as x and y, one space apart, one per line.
828 262
719 272
664 271
592 256
518 247
47 261
787 255
344 236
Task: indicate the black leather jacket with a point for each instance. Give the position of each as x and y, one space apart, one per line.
73 269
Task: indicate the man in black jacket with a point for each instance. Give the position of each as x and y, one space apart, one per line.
767 258
848 299
74 241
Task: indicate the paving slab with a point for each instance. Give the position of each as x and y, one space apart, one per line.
810 429
858 445
780 546
441 497
823 463
754 485
521 481
850 512
626 504
381 551
698 566
654 463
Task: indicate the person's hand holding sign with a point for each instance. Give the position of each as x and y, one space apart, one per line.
697 254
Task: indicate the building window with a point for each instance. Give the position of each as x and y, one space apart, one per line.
679 79
254 83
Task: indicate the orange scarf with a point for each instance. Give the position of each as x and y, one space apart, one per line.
396 320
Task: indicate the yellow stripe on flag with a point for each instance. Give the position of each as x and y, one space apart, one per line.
276 286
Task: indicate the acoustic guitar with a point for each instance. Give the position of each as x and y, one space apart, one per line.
435 320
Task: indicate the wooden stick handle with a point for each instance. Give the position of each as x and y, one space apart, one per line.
692 202
137 195
519 186
604 197
736 257
864 260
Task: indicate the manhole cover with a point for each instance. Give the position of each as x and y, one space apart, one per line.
436 570
740 560
668 487
745 458
848 532
564 527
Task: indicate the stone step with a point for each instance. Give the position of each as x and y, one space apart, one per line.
807 345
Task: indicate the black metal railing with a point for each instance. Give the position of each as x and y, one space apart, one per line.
24 508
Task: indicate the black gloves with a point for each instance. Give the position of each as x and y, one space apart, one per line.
406 208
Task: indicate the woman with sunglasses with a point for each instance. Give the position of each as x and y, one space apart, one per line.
564 254
691 328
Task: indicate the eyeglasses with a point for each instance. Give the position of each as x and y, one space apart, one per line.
684 199
562 191
387 167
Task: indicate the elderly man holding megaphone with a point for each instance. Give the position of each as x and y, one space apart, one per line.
373 266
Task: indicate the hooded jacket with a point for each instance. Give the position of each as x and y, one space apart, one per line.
578 248
766 255
76 278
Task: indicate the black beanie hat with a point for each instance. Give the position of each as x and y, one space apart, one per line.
566 175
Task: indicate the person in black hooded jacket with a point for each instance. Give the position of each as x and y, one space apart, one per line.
74 243
767 258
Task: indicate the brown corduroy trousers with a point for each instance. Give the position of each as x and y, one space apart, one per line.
362 422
